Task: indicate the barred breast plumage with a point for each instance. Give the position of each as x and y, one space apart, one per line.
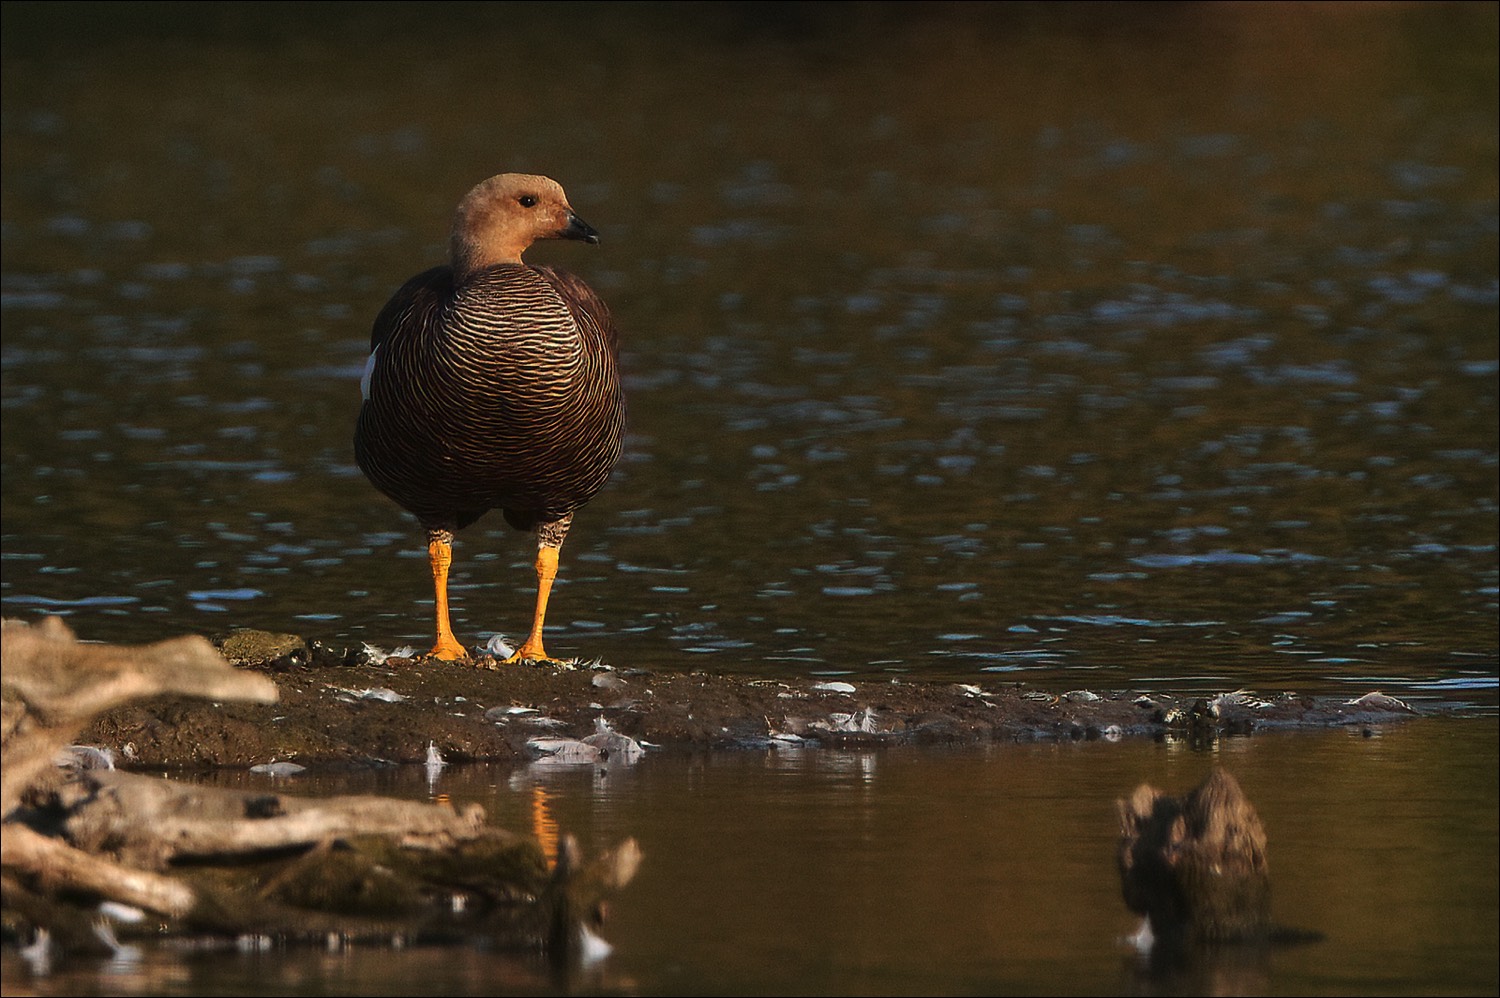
493 384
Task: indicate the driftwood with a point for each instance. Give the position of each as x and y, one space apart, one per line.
1196 868
53 686
206 862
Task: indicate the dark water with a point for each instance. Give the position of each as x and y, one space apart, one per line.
929 872
1103 345
1116 347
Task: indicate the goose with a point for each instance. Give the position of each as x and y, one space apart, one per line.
494 384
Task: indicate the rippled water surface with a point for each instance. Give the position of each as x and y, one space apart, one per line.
1073 346
1106 345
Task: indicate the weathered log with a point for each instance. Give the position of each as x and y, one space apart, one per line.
222 862
57 864
151 823
51 685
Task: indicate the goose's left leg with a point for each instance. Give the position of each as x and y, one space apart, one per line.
549 540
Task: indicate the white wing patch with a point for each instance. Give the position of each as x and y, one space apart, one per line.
369 372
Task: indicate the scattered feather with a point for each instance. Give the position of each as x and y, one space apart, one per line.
377 656
278 769
862 722
591 947
1142 939
544 722
38 954
119 952
1239 698
380 693
605 745
86 757
613 746
499 647
562 751
502 714
834 687
434 764
1380 701
114 910
974 693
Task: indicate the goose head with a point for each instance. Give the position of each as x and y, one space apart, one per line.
501 217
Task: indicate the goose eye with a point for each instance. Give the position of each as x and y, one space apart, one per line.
526 201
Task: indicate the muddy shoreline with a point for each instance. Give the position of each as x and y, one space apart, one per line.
238 864
345 708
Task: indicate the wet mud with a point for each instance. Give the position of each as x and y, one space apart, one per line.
342 707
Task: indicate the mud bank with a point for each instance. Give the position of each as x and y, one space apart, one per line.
359 707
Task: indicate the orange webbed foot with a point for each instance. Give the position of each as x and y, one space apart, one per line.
449 650
531 651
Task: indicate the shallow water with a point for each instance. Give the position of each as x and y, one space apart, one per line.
973 871
1097 346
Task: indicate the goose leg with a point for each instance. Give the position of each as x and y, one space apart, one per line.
440 555
546 571
549 538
